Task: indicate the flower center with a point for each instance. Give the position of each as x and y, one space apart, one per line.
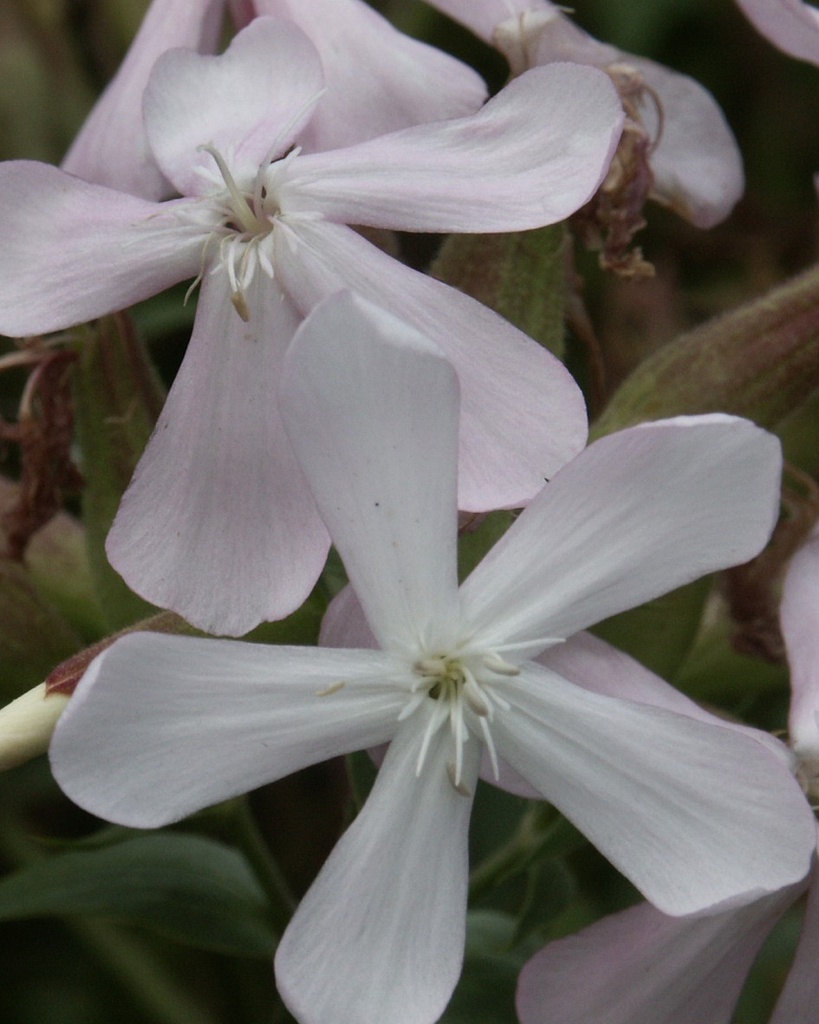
463 688
244 228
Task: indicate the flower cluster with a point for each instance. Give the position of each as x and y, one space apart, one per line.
333 396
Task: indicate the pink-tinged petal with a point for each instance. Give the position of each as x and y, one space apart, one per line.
259 93
532 156
642 967
522 415
800 627
371 408
161 726
218 523
345 624
635 515
481 16
73 251
695 815
111 147
379 80
590 662
697 165
696 162
380 935
800 996
791 25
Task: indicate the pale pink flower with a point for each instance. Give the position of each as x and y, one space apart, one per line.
642 965
695 162
218 523
693 813
380 80
792 25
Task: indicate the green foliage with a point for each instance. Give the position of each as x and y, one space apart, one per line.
194 890
486 992
118 398
520 275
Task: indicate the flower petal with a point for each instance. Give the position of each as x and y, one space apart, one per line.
532 156
800 996
161 726
405 82
695 815
74 251
380 934
522 415
590 662
635 515
111 147
218 523
799 613
371 408
791 25
641 965
696 163
260 92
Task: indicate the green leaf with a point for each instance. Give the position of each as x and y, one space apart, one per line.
486 991
118 398
194 890
760 360
476 539
550 889
660 633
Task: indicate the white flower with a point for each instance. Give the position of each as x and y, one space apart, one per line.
693 813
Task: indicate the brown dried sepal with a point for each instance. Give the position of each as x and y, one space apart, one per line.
44 431
611 219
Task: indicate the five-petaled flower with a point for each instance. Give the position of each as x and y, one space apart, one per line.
695 814
218 523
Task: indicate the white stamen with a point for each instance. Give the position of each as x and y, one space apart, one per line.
457 785
244 214
495 663
490 746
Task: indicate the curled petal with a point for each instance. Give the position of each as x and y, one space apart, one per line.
380 934
73 251
111 148
161 726
697 816
532 156
218 523
522 415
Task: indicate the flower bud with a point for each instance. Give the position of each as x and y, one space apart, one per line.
760 361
